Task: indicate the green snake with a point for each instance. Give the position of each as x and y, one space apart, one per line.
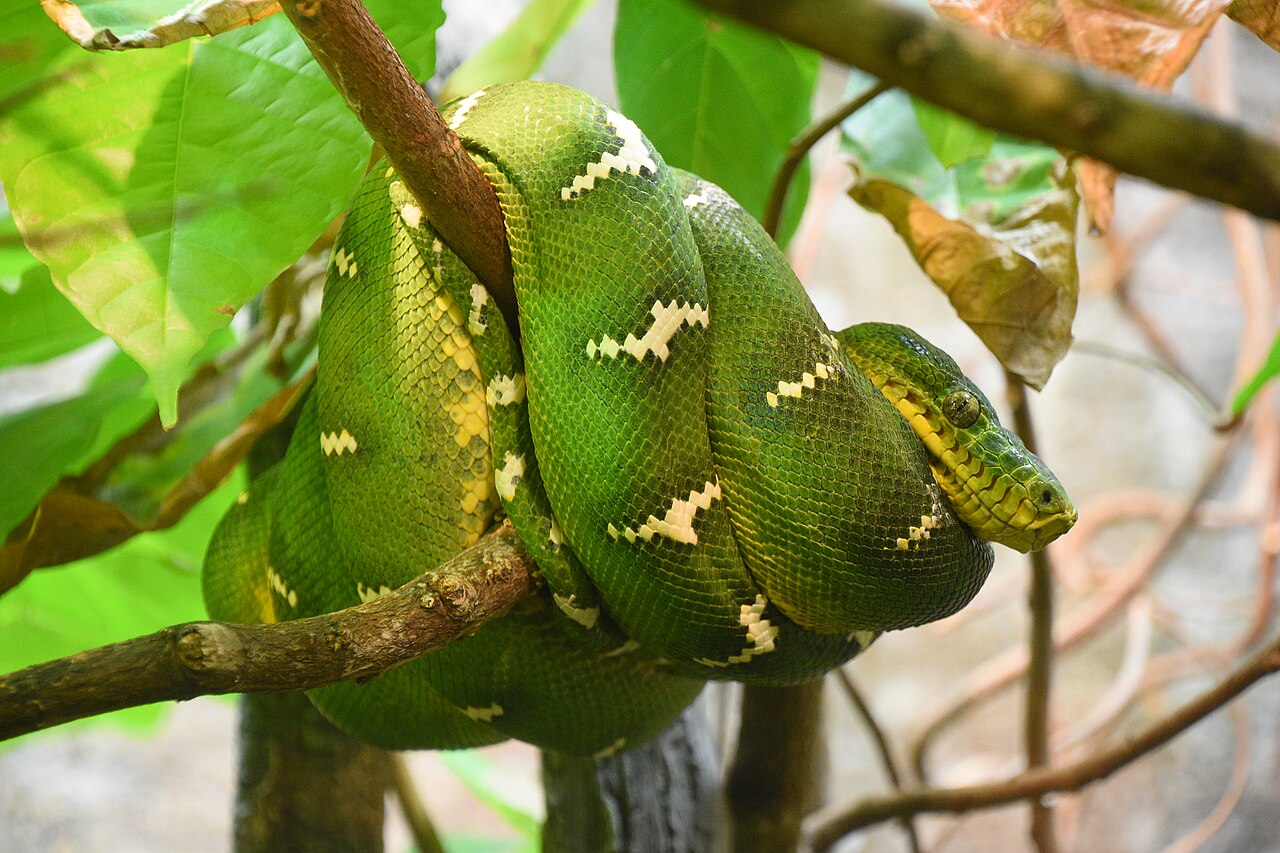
713 485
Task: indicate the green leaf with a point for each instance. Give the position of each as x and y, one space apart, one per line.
165 188
1013 174
518 51
1269 370
31 49
716 97
59 439
886 142
15 260
148 583
952 139
141 481
37 322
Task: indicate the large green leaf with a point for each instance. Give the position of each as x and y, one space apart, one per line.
952 138
715 97
146 584
37 322
165 188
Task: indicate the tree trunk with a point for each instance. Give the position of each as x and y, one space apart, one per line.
305 785
663 795
779 768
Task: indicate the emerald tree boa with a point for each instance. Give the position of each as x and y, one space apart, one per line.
714 485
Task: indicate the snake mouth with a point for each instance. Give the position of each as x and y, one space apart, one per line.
1049 528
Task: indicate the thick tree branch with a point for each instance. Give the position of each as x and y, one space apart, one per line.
833 824
1035 95
393 107
202 658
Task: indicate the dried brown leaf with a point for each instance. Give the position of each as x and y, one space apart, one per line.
1261 17
1014 283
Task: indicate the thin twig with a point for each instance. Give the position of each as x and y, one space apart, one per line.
1214 414
1039 642
830 825
415 814
887 760
800 147
1005 669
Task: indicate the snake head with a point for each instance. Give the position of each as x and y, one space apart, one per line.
995 485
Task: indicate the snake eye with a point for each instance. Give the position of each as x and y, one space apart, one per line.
961 408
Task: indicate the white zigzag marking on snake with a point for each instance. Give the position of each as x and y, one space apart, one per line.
368 593
505 390
667 320
632 157
345 262
584 616
808 379
692 200
612 749
465 106
821 370
677 524
761 635
479 298
335 442
281 588
508 476
863 638
484 715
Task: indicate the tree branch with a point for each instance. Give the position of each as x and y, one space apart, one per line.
833 824
392 106
203 658
1034 95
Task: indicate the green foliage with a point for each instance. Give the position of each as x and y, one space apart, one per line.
961 171
62 437
716 97
952 139
37 322
152 216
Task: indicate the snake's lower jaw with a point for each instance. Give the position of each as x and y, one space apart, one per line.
1042 532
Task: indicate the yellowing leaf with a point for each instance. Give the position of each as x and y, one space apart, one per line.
1014 283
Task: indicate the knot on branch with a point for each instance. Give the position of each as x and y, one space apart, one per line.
457 596
208 651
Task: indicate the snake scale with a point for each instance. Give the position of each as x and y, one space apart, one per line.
713 485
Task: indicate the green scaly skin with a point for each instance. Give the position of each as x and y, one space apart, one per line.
709 486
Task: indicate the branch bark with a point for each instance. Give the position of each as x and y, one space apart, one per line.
203 658
833 824
1034 95
392 106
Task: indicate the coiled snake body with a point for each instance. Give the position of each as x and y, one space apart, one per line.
708 479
